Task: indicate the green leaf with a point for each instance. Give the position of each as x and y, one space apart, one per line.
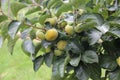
46 43
4 29
62 68
86 26
26 1
75 61
51 3
64 8
115 21
13 28
74 47
81 73
16 6
25 33
115 31
37 47
43 18
104 28
33 9
2 18
79 3
94 36
95 71
11 43
90 57
109 47
108 62
56 73
1 41
49 59
28 46
115 75
94 17
38 62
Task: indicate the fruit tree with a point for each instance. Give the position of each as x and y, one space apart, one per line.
78 39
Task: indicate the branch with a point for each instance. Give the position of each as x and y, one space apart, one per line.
34 26
5 15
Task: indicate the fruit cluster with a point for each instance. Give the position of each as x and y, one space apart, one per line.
53 34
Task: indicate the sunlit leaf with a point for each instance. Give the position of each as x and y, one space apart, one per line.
16 6
11 43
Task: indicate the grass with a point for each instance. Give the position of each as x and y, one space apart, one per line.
19 66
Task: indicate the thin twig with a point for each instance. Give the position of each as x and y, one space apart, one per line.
34 26
5 15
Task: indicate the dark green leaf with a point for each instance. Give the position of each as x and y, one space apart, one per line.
74 47
38 62
26 1
109 47
1 41
13 28
75 61
28 46
82 74
56 70
115 21
90 57
11 43
108 62
95 71
49 59
3 17
62 68
114 75
25 33
46 43
115 31
16 6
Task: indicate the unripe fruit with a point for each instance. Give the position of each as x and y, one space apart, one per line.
118 61
48 49
52 21
81 11
62 24
77 29
69 30
40 35
51 35
36 42
61 45
57 52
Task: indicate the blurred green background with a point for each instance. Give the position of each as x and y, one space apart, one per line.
19 66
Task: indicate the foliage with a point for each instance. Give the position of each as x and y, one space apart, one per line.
92 38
